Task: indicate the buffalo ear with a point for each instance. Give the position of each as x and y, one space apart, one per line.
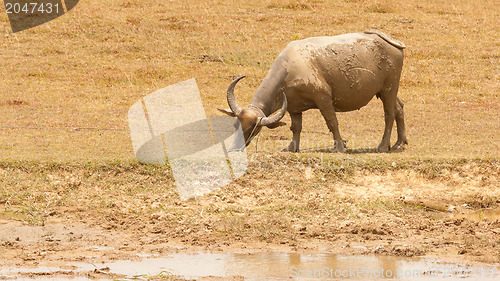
276 125
227 111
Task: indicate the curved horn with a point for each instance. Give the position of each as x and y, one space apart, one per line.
266 121
230 97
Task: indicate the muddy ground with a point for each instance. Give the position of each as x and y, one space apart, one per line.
55 215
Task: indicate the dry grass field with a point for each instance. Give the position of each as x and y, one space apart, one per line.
66 155
87 68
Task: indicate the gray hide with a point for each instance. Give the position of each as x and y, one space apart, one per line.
333 74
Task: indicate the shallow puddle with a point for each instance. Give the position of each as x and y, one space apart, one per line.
279 266
490 214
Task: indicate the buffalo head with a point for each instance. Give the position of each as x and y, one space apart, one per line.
251 118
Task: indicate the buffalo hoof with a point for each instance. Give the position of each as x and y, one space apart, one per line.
290 149
383 149
340 148
399 146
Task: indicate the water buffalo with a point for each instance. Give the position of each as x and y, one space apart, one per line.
333 74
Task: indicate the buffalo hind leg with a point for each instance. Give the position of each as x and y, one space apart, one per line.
400 123
328 112
296 128
389 101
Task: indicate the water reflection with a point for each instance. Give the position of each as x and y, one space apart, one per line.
288 266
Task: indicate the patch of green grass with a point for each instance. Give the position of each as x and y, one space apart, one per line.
163 275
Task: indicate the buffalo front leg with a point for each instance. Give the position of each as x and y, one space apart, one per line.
328 112
400 123
296 128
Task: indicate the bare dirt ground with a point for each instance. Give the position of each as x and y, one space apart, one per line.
90 215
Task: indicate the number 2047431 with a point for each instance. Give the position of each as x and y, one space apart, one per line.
32 8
